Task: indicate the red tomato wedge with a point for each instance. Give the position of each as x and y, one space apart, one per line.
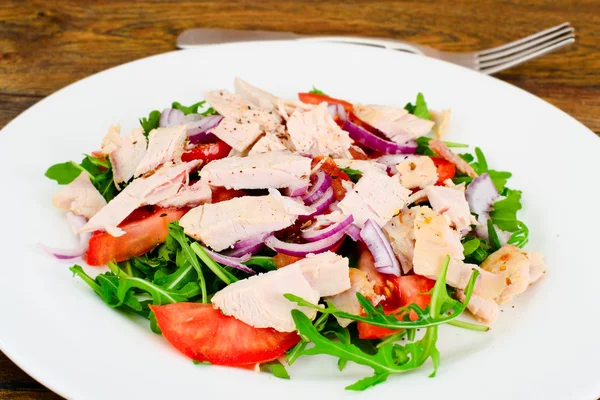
445 169
411 289
313 98
140 237
204 334
283 260
207 152
220 194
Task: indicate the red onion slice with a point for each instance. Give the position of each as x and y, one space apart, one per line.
233 262
303 249
251 241
320 205
354 232
76 222
321 181
481 194
250 250
295 192
315 235
197 131
380 248
171 117
374 142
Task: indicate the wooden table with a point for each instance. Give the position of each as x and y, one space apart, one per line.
45 46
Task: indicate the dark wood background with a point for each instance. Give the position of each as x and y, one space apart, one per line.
46 45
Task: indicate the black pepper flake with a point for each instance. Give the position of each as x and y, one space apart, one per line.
163 215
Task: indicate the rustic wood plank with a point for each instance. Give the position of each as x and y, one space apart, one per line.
45 46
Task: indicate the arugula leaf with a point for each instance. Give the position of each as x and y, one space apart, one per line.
209 111
470 246
188 254
276 368
105 286
215 267
520 237
314 90
193 109
493 236
64 173
419 109
504 214
353 174
389 358
481 166
262 261
151 122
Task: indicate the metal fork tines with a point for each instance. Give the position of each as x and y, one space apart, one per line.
496 59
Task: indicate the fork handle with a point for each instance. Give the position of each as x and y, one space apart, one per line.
368 41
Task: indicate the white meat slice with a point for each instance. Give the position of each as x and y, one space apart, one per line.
222 224
453 204
162 185
434 240
258 300
396 123
486 310
237 133
376 195
269 142
363 166
314 132
537 268
255 96
189 196
442 120
417 172
400 232
347 301
124 153
80 197
164 145
513 265
327 273
259 171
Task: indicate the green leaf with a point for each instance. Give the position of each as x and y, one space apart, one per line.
367 382
353 174
262 261
504 214
209 111
520 237
193 109
151 122
470 246
493 236
314 90
188 254
276 368
499 178
419 109
423 146
64 173
215 267
482 166
178 279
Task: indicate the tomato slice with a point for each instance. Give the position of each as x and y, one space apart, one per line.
313 98
220 194
203 333
410 289
445 169
207 152
140 237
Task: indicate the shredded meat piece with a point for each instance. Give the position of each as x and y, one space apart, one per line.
443 151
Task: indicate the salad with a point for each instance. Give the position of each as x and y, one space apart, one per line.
252 230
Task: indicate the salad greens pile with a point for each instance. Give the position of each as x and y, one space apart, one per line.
180 270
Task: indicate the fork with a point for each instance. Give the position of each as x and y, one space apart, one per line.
488 61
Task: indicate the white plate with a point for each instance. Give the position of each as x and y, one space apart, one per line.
61 333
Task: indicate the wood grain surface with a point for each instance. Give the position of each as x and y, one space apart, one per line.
45 46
